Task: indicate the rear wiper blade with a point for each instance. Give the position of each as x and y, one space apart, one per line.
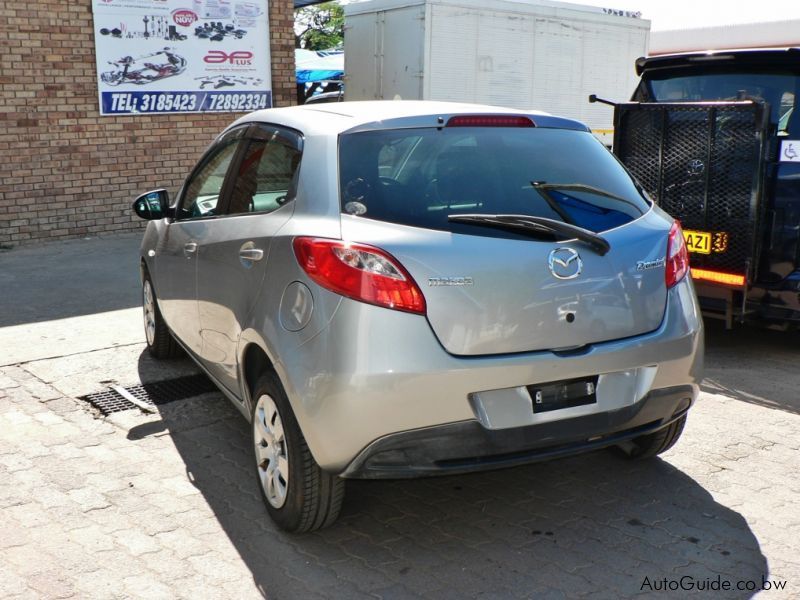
536 227
543 187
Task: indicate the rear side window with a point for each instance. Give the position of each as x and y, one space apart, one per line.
419 177
266 177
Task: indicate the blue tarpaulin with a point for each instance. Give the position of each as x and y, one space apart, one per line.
309 76
312 67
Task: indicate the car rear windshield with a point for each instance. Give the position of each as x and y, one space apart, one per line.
776 89
420 177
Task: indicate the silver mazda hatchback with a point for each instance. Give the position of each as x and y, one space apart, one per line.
397 289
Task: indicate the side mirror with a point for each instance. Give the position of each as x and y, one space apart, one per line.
152 206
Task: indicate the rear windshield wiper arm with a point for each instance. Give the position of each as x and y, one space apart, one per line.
543 188
535 227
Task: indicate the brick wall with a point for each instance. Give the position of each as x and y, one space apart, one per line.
65 171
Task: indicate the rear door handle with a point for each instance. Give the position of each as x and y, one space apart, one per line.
190 248
251 254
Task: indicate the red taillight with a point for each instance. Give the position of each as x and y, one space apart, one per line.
490 121
677 256
360 272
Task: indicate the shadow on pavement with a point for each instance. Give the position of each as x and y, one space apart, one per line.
593 524
69 279
754 365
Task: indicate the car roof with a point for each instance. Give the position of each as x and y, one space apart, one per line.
745 57
340 117
325 97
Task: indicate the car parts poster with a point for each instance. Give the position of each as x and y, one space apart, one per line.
168 56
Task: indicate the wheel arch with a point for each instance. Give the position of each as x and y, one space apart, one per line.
254 360
143 269
257 357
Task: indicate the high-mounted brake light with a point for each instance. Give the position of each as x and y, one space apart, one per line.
359 271
490 121
718 277
677 256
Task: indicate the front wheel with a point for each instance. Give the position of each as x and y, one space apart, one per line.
298 494
160 342
658 442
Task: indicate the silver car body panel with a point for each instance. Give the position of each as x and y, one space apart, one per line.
222 275
515 304
176 293
354 372
375 372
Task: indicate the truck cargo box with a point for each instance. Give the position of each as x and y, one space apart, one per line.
539 55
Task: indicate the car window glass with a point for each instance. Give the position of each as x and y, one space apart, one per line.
774 88
393 157
265 178
420 177
786 110
203 189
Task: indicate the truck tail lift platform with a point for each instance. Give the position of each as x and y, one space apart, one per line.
703 163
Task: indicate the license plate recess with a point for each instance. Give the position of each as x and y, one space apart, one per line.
566 393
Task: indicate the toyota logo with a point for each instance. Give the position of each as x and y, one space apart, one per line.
696 167
565 263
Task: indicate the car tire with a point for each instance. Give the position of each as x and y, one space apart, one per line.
298 494
653 444
160 342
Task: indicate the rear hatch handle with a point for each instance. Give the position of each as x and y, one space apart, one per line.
536 227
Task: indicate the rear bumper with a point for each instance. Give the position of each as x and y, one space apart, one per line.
468 446
373 373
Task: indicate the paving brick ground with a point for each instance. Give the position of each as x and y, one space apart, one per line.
166 506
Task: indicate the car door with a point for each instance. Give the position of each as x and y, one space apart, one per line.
233 254
176 260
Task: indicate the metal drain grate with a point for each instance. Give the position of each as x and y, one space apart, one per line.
169 390
155 393
108 402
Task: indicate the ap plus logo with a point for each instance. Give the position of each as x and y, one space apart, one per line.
184 17
217 57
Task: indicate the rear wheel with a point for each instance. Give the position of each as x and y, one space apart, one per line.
160 342
299 495
653 444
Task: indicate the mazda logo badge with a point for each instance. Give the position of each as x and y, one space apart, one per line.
565 263
696 167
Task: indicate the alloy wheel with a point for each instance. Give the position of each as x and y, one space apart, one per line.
149 306
271 451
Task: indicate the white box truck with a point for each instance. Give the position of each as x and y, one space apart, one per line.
538 54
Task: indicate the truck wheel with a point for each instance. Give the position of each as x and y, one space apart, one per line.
160 342
298 494
653 444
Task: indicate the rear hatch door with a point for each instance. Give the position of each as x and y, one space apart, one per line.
492 290
488 295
